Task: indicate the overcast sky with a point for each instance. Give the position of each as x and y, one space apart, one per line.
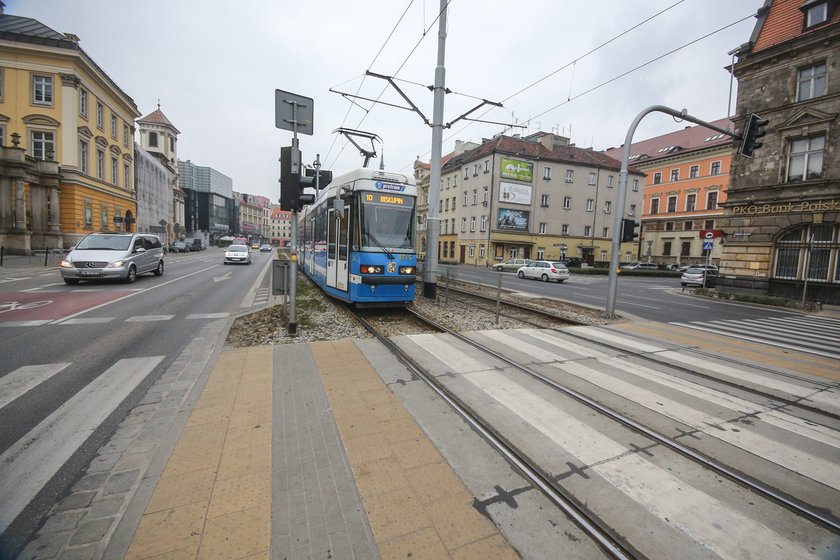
215 67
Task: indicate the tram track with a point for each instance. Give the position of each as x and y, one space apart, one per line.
603 535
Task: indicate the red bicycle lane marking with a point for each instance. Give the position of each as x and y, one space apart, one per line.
35 306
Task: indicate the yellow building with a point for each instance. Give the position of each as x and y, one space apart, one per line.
57 105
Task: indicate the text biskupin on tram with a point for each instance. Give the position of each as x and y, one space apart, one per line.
357 241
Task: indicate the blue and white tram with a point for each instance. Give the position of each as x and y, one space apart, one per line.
357 241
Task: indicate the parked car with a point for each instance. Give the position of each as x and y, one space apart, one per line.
265 248
117 256
179 247
195 244
545 271
237 254
697 276
640 266
573 262
511 265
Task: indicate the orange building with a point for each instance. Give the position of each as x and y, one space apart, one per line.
687 176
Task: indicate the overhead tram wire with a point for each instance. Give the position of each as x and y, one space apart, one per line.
611 79
404 62
372 62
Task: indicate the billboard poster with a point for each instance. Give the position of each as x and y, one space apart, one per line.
513 220
517 169
515 193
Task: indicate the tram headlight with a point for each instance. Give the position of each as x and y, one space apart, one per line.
407 270
371 269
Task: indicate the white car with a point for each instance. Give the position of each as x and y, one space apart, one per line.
545 271
237 254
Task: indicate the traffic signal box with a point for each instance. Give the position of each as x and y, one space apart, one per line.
752 133
292 185
628 230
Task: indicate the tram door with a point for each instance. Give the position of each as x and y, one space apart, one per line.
341 265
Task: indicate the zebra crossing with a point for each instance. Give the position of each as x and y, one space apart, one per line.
102 320
819 336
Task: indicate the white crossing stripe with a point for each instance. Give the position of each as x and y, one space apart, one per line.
208 316
21 380
88 321
611 338
35 458
148 318
24 323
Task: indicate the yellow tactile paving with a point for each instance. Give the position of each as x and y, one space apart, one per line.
213 497
744 350
416 505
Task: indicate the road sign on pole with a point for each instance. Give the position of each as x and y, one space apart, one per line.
708 245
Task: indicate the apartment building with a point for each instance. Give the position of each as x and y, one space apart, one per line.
57 105
782 214
687 175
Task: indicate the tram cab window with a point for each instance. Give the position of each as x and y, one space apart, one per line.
388 225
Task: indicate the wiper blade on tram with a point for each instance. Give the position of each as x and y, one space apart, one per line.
381 246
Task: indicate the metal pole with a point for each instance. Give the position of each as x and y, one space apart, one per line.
805 271
433 220
498 297
292 326
622 193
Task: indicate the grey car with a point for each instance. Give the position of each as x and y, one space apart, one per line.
114 256
699 276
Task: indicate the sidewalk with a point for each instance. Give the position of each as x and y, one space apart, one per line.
347 472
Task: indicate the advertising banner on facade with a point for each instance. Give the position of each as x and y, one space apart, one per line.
513 220
517 169
515 193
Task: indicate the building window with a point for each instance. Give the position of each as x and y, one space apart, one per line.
483 223
657 178
83 156
463 225
690 202
672 204
567 202
472 251
570 175
544 201
466 194
712 200
114 168
475 170
542 228
540 254
100 115
481 251
100 164
43 145
486 194
103 216
709 224
815 244
42 90
675 175
669 226
688 226
88 214
608 207
715 168
590 204
635 185
153 139
113 126
83 104
587 231
606 232
126 176
564 229
546 173
446 205
609 181
654 206
487 166
811 82
466 174
666 248
693 171
805 158
475 197
632 211
816 14
2 83
685 249
126 135
592 178
472 223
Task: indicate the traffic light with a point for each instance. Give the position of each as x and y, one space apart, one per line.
324 179
752 133
289 189
306 182
628 230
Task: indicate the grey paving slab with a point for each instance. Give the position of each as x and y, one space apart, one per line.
316 508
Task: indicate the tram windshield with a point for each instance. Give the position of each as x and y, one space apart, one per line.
387 222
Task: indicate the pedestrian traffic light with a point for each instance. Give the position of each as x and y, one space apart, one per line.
324 177
289 189
752 132
628 230
305 182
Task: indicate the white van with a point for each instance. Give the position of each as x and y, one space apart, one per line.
117 256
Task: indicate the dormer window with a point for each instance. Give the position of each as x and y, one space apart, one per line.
816 12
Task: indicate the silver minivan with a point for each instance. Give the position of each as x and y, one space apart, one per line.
117 256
